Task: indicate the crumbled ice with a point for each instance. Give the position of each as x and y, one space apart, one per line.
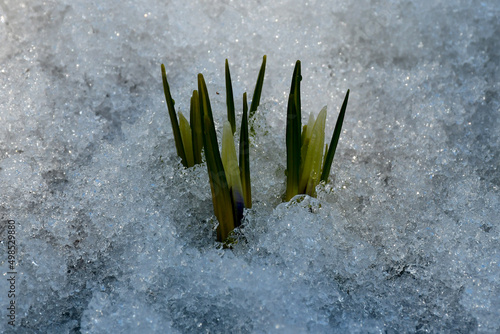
114 235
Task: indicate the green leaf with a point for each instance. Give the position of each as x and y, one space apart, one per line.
314 157
292 151
230 100
221 196
258 88
293 136
187 138
173 118
232 170
295 90
244 157
306 138
196 127
335 140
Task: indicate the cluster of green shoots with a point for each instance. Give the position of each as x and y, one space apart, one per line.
229 174
305 164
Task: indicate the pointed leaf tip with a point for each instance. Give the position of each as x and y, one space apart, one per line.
230 99
258 88
173 118
335 140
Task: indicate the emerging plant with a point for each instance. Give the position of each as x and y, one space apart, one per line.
229 181
305 164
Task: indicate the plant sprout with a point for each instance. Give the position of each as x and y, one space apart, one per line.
229 180
305 164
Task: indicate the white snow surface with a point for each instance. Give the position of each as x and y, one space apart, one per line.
113 235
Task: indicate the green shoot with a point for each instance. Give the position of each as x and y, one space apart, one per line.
313 156
293 137
229 99
221 196
244 156
187 139
335 140
258 88
173 118
195 115
188 136
232 170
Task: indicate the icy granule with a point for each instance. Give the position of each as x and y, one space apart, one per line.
114 234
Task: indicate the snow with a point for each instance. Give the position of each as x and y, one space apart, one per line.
114 235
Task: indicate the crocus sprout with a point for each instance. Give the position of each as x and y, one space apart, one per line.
229 174
306 166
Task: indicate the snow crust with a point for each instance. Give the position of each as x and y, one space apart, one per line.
115 236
